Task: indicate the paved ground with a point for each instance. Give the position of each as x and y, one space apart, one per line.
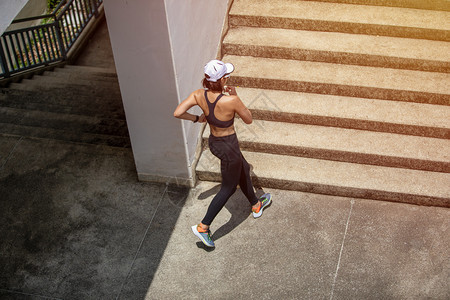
76 224
73 219
308 246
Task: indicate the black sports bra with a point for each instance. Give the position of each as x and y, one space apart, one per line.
211 118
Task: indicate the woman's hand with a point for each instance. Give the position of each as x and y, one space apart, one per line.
230 90
202 118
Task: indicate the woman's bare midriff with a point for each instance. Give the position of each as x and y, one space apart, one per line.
219 132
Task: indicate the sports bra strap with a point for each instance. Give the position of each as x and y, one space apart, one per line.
217 99
211 118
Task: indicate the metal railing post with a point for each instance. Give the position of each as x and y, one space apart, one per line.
3 61
96 8
62 49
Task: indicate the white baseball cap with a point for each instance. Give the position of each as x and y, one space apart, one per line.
216 69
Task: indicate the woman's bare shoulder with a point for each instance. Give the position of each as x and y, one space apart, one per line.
197 94
231 98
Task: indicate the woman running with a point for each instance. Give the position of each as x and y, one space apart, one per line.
219 111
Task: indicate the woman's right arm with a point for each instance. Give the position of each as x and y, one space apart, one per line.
181 110
239 107
243 111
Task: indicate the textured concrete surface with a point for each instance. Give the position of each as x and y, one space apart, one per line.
360 19
344 48
339 178
340 42
387 149
348 112
73 219
77 225
419 4
79 104
307 247
341 12
382 115
98 51
339 113
344 80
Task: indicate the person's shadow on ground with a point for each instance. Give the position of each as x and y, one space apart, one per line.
237 205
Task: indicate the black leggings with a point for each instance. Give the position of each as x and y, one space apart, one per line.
235 170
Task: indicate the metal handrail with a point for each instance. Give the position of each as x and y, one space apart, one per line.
36 46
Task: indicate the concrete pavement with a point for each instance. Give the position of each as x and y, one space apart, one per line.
73 217
76 224
307 246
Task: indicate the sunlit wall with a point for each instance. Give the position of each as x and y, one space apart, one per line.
160 48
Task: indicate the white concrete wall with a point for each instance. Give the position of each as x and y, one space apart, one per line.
195 29
8 11
160 48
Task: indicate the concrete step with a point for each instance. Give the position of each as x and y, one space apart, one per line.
67 122
104 72
74 104
443 5
348 112
343 80
338 178
347 145
60 97
74 75
61 88
342 48
49 82
338 17
86 110
63 135
337 109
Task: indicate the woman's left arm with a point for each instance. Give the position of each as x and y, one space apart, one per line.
181 110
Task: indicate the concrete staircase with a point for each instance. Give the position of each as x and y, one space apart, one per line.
348 99
80 104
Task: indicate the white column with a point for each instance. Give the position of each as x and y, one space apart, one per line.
160 48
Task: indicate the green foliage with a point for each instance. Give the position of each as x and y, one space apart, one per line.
52 4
